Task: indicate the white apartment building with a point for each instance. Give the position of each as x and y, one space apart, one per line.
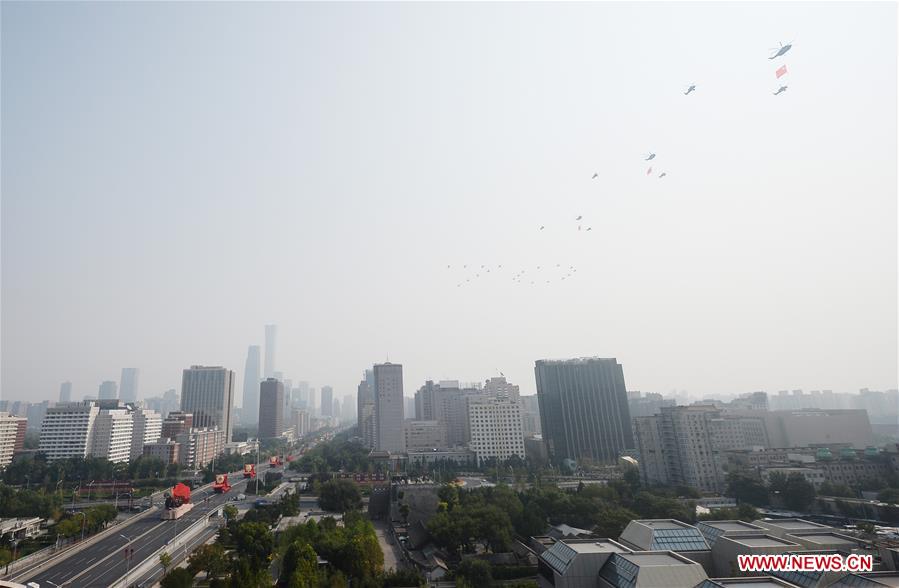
147 429
67 430
199 447
12 433
496 428
499 388
112 435
389 407
302 422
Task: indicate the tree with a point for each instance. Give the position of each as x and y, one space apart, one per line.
230 512
798 493
890 495
210 559
747 489
300 565
177 578
474 572
166 560
255 543
69 527
340 496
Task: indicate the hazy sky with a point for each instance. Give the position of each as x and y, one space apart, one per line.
174 176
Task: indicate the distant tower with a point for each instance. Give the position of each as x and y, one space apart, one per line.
251 379
388 394
271 333
108 391
65 392
271 409
128 384
208 394
327 402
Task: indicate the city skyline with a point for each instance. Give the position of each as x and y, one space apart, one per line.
766 259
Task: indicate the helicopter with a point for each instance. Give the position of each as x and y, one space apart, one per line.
780 90
650 156
782 50
692 88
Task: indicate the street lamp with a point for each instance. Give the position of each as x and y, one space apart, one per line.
83 521
128 555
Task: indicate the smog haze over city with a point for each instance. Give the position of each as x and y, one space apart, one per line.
175 176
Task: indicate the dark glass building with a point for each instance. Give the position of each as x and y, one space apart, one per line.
583 409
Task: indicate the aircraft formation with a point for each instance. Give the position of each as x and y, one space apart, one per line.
522 277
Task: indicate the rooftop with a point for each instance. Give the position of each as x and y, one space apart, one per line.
826 538
761 541
732 526
791 524
755 582
660 558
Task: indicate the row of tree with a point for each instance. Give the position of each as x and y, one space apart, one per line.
38 472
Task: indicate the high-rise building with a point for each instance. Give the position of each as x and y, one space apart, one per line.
65 392
327 401
67 430
271 408
208 394
348 412
251 380
128 384
12 437
113 432
108 391
409 405
388 380
365 409
495 427
302 422
583 409
530 415
147 429
271 333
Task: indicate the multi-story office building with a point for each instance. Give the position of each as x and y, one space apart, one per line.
425 435
165 449
129 384
583 409
426 399
67 430
365 409
168 402
65 392
650 404
805 428
495 426
108 391
271 334
147 429
500 388
682 445
271 409
251 379
327 401
198 447
388 392
113 431
176 423
208 394
12 437
302 422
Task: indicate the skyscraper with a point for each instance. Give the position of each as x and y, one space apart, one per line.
271 408
128 384
327 401
65 392
365 409
583 409
108 391
251 379
208 394
388 388
271 333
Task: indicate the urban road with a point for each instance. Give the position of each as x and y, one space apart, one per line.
104 563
